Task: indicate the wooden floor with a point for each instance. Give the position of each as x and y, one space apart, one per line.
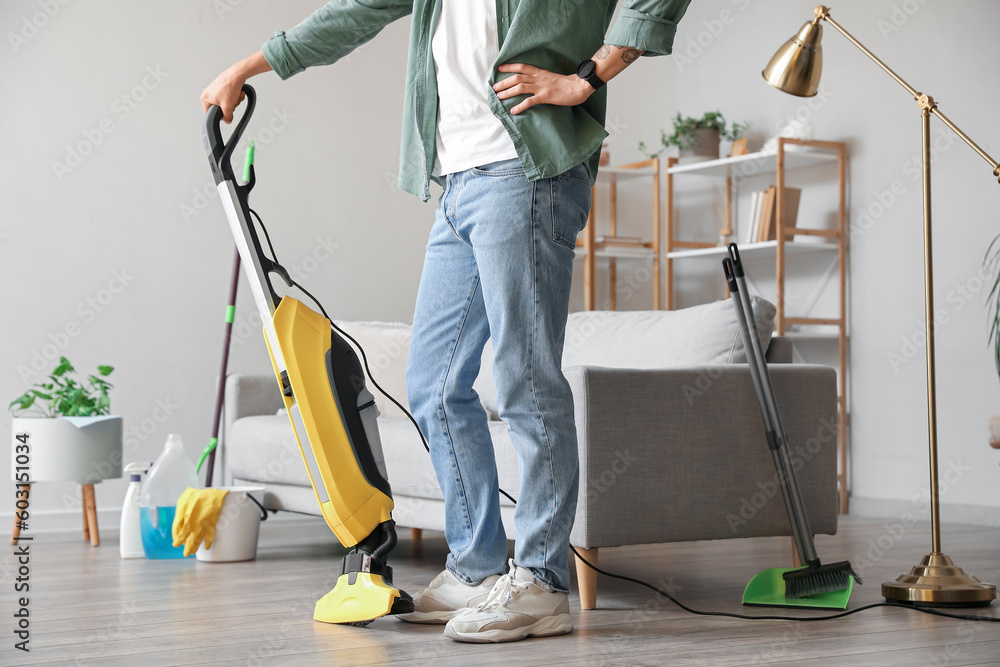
88 607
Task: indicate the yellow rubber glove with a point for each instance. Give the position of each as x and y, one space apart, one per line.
197 512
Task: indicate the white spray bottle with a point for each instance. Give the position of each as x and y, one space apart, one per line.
129 534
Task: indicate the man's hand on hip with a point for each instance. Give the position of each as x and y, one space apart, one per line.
566 90
545 87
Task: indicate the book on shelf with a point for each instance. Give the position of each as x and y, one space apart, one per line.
792 196
768 227
765 227
752 222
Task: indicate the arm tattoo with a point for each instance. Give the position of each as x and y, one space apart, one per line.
603 52
629 55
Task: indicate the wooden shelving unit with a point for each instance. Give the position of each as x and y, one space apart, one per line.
591 249
791 154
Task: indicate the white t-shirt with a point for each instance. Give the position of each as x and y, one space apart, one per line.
465 47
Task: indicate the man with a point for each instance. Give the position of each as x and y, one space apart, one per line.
505 109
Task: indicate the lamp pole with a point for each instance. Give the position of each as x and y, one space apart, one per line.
925 132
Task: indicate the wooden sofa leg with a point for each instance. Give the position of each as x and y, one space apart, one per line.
586 578
416 534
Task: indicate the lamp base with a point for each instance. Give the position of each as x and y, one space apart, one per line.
938 582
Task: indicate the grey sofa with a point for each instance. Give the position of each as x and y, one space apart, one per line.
670 437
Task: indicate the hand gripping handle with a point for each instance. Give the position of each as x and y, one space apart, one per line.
220 152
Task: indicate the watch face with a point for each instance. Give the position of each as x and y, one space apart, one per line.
586 69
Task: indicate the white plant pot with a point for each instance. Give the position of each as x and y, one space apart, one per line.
67 449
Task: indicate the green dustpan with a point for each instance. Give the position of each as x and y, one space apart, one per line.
767 589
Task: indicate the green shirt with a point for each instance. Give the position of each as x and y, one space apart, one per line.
556 35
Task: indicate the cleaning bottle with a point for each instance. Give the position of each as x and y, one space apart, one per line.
130 534
171 474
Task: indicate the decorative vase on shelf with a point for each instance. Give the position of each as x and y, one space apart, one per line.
995 431
704 146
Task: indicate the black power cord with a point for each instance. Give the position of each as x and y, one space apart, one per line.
698 612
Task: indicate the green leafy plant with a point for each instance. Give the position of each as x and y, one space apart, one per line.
61 395
992 263
685 126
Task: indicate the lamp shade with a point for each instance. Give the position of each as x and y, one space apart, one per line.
797 65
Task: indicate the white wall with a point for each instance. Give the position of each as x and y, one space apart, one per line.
937 47
141 201
137 204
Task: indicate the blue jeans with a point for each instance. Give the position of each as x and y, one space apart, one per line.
499 265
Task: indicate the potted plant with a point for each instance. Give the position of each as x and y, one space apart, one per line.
697 138
66 425
992 264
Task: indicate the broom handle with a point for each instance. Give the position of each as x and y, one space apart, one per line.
734 292
777 438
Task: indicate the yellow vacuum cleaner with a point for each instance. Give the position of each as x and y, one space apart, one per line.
332 412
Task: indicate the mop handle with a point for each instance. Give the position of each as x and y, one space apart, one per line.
776 435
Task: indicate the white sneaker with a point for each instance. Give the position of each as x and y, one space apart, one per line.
445 598
517 608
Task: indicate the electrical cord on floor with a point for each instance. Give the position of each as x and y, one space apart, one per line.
698 612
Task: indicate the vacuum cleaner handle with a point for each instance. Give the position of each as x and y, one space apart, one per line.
777 438
220 152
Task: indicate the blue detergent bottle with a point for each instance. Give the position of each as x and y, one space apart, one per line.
171 474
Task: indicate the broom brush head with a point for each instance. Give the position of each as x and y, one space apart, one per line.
817 579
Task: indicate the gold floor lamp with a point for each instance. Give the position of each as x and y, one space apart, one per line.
796 69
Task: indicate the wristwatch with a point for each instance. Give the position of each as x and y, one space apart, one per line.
588 72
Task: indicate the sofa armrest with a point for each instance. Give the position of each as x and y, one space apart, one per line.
779 350
248 395
679 454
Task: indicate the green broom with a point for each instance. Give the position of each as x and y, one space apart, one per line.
815 585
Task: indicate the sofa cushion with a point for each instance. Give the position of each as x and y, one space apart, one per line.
262 449
386 345
484 384
706 334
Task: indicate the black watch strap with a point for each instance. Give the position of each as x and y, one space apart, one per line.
587 70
